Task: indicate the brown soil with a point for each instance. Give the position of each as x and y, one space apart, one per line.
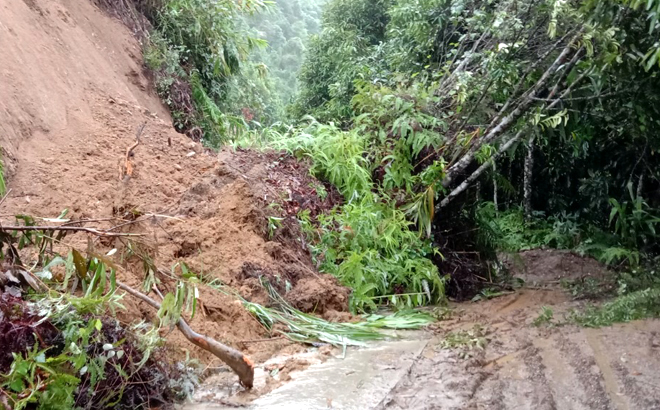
222 390
522 366
72 94
551 266
528 367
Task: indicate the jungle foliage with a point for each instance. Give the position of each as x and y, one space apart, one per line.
63 346
529 123
535 120
286 26
224 67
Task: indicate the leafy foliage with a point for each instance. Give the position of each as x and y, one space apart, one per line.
545 317
511 232
307 328
368 243
428 102
286 26
69 351
633 306
466 341
200 53
432 97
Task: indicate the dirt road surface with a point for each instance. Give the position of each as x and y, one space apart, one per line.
522 366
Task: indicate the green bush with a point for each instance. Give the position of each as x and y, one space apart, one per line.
368 243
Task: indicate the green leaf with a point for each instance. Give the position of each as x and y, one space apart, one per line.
80 263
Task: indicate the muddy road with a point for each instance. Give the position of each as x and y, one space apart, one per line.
528 367
484 355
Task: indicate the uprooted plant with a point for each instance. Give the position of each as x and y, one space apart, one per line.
72 343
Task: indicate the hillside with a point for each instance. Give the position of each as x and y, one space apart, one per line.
73 94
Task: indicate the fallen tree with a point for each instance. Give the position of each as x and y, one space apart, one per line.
238 362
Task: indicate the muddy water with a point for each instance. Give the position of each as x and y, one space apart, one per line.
359 381
355 379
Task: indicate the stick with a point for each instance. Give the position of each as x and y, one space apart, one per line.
65 228
128 167
238 362
5 197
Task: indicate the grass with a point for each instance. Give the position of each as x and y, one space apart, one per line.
637 305
545 317
3 185
306 328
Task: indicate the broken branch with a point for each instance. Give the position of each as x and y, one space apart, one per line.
238 362
65 228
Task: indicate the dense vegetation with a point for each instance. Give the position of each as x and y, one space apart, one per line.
530 123
450 127
286 26
224 67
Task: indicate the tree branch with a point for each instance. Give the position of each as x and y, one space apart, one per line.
523 77
527 99
591 97
238 362
476 174
65 228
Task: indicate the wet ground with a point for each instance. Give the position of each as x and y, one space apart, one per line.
484 355
521 367
528 367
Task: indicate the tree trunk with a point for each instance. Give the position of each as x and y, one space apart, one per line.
640 184
497 208
499 126
238 362
476 174
528 176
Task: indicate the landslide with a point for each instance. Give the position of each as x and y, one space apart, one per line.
72 94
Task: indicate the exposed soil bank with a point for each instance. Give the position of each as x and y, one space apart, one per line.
72 94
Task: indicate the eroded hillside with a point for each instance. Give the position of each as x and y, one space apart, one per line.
73 94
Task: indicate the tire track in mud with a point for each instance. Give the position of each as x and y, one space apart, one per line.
523 366
607 373
551 367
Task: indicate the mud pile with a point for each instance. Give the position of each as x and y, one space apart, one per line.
71 97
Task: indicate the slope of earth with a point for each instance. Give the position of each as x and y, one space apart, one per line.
72 95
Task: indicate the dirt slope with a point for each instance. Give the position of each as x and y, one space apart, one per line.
71 97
